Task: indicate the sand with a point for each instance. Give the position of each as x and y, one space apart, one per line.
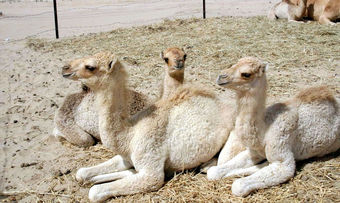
37 167
76 17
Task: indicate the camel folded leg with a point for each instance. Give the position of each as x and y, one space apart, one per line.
143 181
246 171
65 125
243 160
74 134
232 147
274 174
116 164
323 20
111 176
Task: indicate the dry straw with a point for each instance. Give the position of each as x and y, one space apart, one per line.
299 55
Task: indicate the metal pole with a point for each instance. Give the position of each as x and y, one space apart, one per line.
55 19
203 9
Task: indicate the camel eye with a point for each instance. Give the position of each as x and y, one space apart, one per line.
90 68
166 60
246 75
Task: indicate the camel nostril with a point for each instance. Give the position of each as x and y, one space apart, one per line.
222 76
221 80
66 67
179 65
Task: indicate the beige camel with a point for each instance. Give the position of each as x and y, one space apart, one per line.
306 126
323 11
77 119
174 71
173 134
174 78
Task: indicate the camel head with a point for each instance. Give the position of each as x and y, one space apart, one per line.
244 75
94 71
175 60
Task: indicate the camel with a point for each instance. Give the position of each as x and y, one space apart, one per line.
323 11
77 119
308 125
174 78
174 70
173 134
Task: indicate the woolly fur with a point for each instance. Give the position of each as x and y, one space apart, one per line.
306 126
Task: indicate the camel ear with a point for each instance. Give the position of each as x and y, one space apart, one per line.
114 65
265 67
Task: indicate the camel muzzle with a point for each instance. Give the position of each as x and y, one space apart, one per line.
179 66
222 80
67 75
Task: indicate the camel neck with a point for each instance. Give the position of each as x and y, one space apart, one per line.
112 115
251 111
170 84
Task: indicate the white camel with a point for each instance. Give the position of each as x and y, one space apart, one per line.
308 125
173 134
77 119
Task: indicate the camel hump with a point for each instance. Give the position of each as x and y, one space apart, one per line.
316 94
185 92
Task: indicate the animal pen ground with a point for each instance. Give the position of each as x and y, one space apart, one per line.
36 167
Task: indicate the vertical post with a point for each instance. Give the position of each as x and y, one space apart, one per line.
203 9
56 19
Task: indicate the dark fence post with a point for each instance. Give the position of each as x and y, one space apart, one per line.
56 19
203 9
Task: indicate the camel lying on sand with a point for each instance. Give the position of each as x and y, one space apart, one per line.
323 11
77 119
173 134
308 125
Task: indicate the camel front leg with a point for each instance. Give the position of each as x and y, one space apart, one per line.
65 125
143 181
246 171
73 134
245 159
323 20
112 176
232 147
274 174
116 164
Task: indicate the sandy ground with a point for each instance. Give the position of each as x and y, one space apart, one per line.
35 166
76 17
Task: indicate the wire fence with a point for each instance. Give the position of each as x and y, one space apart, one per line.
76 17
89 14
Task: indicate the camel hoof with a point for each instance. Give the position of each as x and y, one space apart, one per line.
81 175
94 194
239 188
213 173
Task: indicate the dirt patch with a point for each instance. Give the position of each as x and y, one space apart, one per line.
36 167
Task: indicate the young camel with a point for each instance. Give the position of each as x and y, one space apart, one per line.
174 78
323 11
306 126
174 71
77 119
173 134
